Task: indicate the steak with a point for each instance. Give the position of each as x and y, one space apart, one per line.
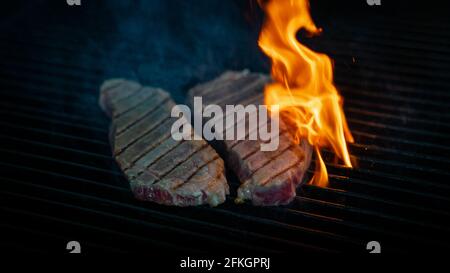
267 177
159 168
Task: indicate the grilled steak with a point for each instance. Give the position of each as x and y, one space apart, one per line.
160 169
267 177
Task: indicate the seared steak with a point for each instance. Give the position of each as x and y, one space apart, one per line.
160 169
267 177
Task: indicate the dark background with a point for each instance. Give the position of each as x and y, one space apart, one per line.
175 44
59 182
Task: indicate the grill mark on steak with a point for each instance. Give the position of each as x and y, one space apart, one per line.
267 178
260 159
279 165
276 191
128 103
231 144
142 127
240 89
214 84
247 158
138 113
123 90
141 137
199 188
189 168
144 146
165 146
246 148
256 100
247 93
160 169
254 151
177 156
200 167
111 95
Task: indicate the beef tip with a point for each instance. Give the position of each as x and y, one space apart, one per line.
159 168
267 177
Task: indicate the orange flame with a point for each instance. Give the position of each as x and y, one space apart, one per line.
303 86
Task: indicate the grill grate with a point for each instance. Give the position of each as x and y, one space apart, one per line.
59 182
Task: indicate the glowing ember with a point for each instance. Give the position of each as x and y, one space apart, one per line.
303 86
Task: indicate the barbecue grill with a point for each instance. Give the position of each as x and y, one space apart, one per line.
60 183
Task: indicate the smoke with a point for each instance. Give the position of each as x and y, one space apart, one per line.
176 44
164 43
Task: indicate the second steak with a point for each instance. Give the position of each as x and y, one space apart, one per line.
267 177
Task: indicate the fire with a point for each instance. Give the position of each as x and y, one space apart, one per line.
303 82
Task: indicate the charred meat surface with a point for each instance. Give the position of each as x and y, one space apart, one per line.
267 177
159 168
